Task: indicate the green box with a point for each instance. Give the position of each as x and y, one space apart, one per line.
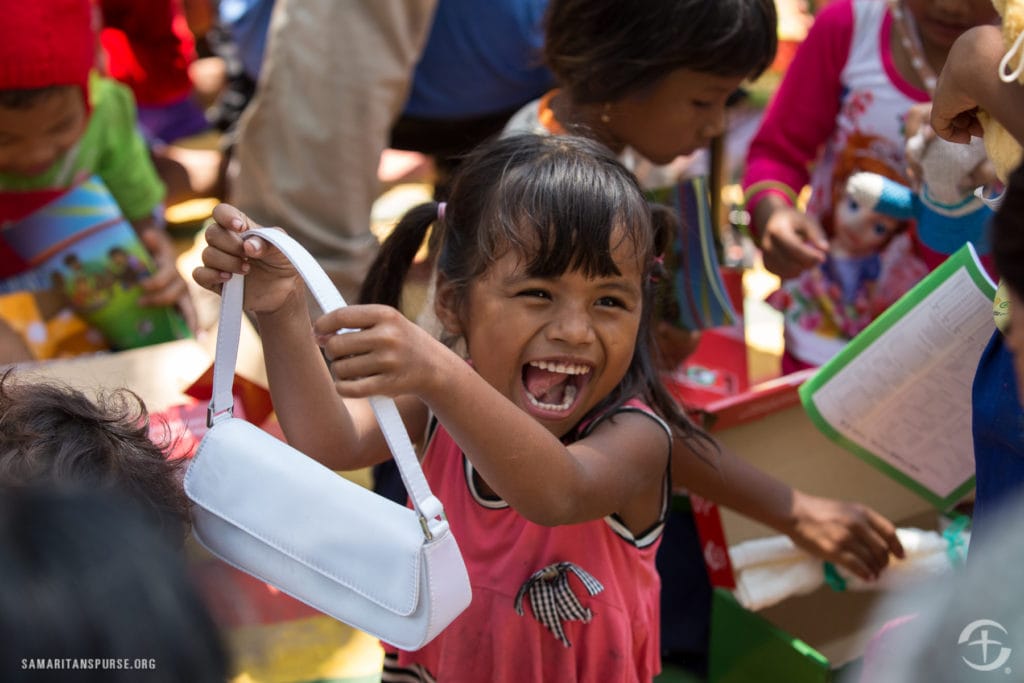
746 647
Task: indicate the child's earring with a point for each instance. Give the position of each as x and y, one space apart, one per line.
606 115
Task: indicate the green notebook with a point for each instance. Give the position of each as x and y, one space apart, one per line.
899 394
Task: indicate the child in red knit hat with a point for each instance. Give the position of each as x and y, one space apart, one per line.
62 124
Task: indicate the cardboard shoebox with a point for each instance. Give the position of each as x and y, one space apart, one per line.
172 378
764 423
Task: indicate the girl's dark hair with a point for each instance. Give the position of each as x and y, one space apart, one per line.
603 50
50 432
559 201
28 97
1008 235
86 576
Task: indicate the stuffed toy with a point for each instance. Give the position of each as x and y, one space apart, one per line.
1002 148
947 213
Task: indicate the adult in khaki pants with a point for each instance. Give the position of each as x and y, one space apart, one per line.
335 77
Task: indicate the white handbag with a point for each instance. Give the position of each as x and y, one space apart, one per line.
273 512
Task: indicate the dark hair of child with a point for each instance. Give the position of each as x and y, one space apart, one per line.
558 201
50 432
86 579
1008 233
601 51
24 98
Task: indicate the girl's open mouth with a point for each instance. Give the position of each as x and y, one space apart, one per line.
554 386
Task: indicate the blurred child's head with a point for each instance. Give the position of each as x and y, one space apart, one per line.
547 247
940 22
50 432
657 73
47 49
1008 252
86 576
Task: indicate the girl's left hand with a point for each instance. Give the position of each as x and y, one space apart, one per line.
165 287
386 355
850 535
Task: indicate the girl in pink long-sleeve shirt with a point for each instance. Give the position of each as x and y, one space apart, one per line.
841 108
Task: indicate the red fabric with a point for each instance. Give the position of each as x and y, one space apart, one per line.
46 43
13 207
148 47
16 205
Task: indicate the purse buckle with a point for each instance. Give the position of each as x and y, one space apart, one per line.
425 525
213 415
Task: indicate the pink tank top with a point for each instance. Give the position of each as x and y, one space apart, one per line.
567 603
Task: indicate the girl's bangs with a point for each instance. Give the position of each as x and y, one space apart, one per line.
571 218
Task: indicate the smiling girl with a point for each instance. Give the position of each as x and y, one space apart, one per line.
548 445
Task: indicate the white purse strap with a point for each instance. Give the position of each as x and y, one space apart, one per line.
428 507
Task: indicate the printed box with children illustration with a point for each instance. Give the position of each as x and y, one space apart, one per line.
86 260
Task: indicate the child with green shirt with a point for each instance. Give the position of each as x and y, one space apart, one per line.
62 124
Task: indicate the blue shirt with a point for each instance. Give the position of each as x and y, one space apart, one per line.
247 22
998 429
480 58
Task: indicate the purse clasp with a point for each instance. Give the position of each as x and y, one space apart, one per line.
213 415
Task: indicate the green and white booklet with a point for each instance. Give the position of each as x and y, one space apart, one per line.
899 394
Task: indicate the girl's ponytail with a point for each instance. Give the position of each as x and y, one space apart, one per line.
386 277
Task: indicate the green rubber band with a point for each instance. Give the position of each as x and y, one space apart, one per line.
956 548
832 577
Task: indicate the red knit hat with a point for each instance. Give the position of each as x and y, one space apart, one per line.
46 42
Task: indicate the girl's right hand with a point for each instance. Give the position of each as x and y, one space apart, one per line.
270 280
792 242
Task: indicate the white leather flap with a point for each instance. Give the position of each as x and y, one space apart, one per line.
241 474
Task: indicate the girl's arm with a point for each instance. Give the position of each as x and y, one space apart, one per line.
849 534
798 121
802 113
620 467
340 434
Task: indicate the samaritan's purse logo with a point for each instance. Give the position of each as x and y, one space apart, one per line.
976 635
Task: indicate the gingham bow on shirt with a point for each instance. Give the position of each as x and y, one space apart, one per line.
553 601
